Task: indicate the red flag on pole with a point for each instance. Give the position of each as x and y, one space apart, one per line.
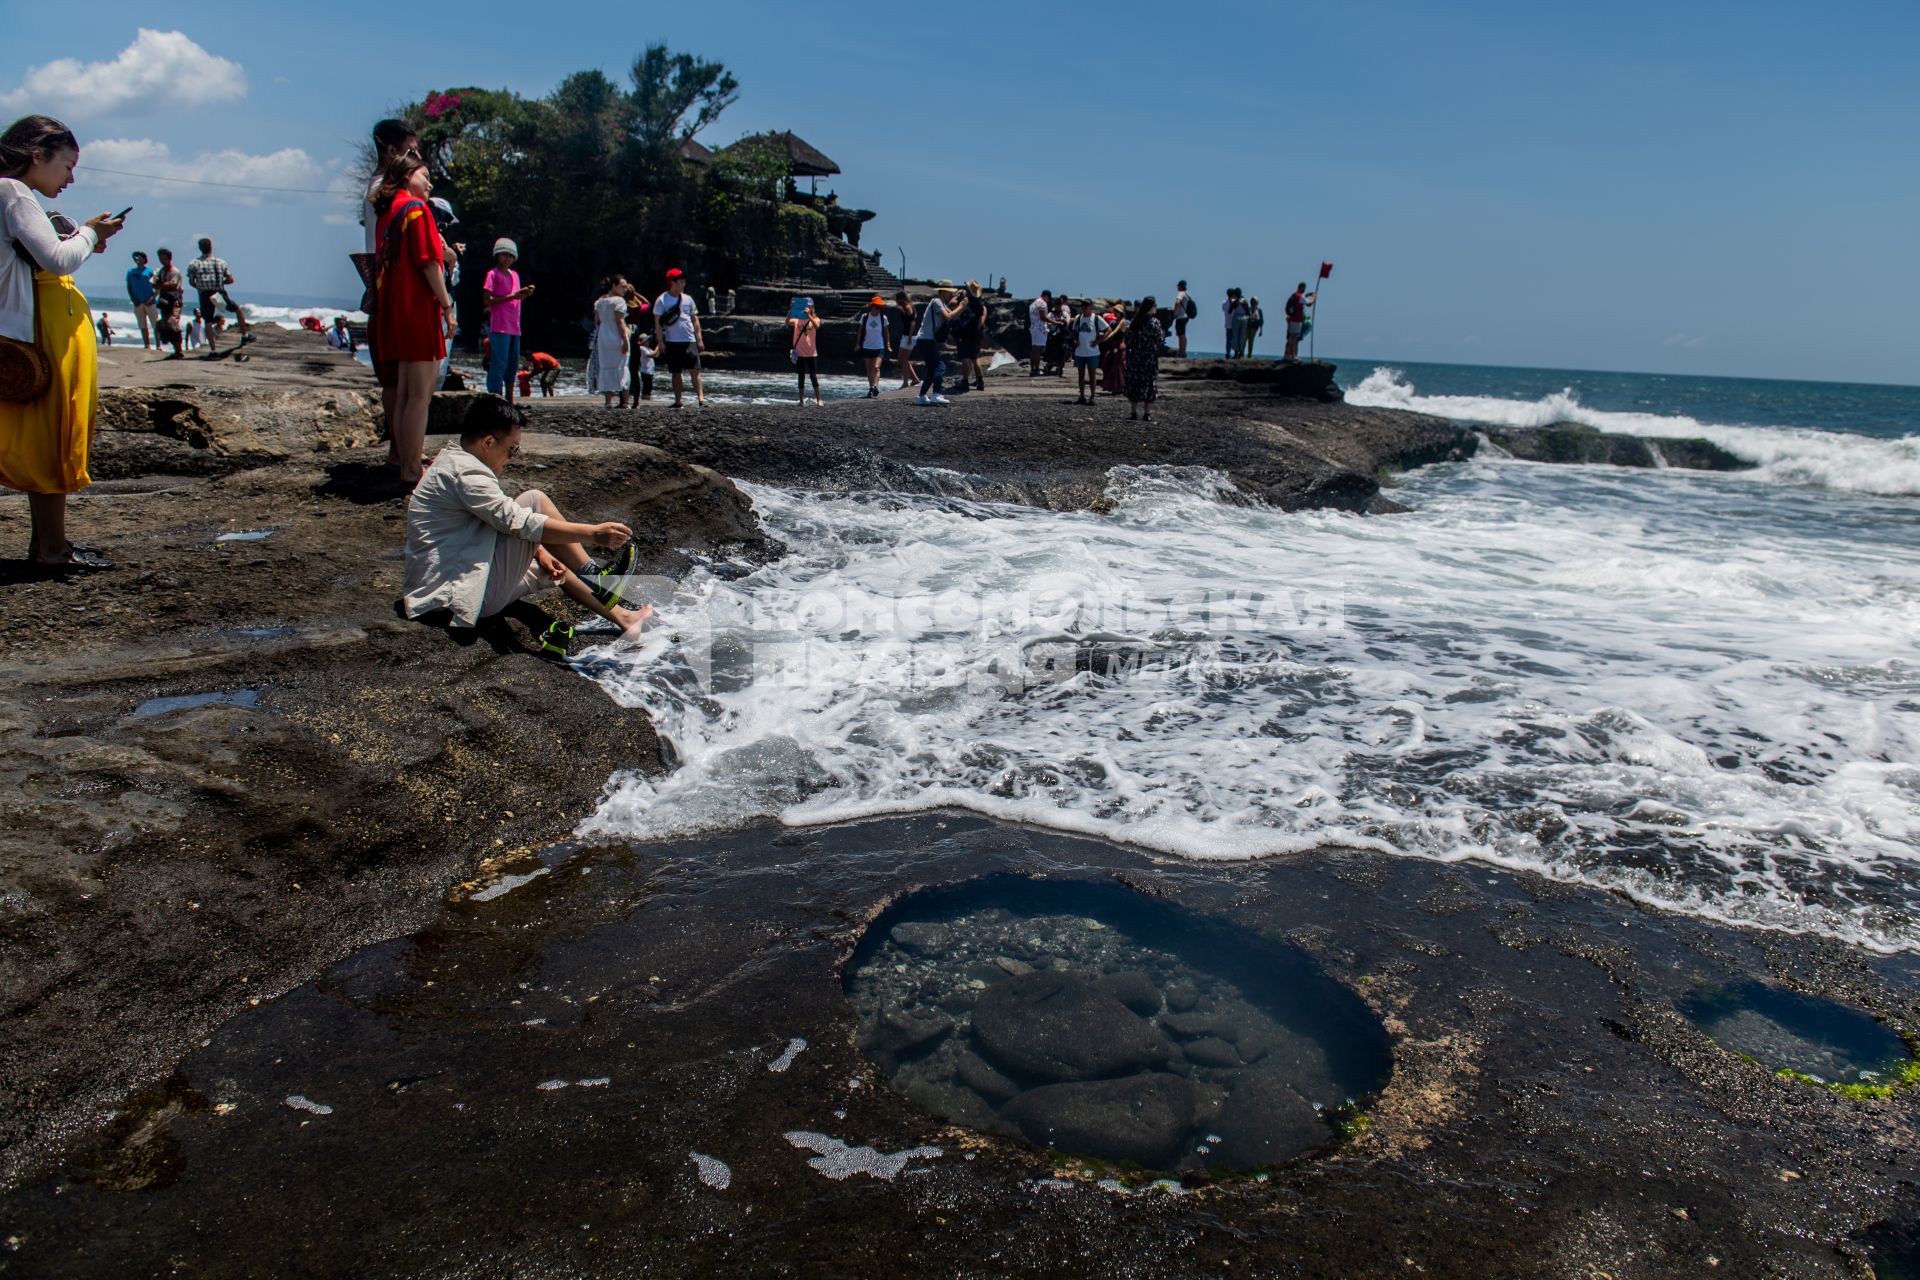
1326 269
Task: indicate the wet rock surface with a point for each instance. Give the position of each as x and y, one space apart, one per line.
228 763
1550 1111
1570 442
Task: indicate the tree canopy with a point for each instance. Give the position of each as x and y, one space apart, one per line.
589 181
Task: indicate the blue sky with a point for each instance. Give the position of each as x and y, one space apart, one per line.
1699 187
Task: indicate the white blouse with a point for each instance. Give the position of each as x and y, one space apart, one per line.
23 220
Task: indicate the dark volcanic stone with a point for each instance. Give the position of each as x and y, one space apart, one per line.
1181 996
1211 1052
1571 442
1134 990
1195 1025
921 938
983 1077
894 1034
1053 1026
1145 1119
1265 1122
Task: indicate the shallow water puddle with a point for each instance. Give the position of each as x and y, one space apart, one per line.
1104 1023
1784 1031
245 535
246 699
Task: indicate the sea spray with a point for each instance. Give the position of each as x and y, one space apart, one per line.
1641 680
1781 454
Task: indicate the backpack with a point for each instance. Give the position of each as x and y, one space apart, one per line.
1296 310
1193 308
371 272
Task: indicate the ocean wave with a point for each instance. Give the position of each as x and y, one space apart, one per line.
1781 455
1549 672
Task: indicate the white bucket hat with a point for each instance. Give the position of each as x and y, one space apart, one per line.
504 245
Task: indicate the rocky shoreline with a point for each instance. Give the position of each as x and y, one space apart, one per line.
335 774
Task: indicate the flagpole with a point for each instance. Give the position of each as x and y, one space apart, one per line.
1313 323
1314 315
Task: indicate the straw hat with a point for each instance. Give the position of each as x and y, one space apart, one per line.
25 372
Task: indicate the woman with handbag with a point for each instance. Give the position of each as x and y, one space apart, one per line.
805 352
49 366
413 309
607 360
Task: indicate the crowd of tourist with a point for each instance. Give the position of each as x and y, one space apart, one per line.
49 367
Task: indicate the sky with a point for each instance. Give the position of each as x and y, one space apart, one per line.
1696 187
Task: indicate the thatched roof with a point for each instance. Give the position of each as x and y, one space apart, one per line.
695 152
804 160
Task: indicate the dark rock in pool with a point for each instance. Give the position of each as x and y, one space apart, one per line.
983 1077
1145 1118
1134 990
1182 996
1053 1026
1196 1025
921 938
1265 1122
894 1034
1211 1051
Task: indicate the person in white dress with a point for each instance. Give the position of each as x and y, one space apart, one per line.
607 365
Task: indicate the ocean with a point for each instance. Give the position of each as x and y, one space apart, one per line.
1696 689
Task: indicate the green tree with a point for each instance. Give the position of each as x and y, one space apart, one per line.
675 95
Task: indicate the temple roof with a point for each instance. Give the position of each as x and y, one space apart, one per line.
696 152
804 160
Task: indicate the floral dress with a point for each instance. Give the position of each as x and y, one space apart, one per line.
1144 340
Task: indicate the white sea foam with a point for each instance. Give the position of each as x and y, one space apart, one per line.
839 1161
1784 455
1637 680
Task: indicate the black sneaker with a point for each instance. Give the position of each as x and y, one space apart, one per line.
604 579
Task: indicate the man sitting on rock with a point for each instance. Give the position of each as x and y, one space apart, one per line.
473 551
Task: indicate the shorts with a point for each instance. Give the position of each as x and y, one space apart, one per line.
873 353
1037 336
514 574
1086 362
1179 326
682 356
208 300
1294 328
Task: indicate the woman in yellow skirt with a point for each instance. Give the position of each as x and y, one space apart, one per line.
43 442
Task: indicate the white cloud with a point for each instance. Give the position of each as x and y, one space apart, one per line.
1690 342
288 176
160 69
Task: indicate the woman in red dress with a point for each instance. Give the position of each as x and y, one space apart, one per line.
413 309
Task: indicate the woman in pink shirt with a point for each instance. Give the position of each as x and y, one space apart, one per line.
806 352
504 292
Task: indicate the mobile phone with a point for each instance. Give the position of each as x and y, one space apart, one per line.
122 215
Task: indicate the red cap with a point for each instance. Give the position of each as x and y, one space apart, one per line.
674 273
